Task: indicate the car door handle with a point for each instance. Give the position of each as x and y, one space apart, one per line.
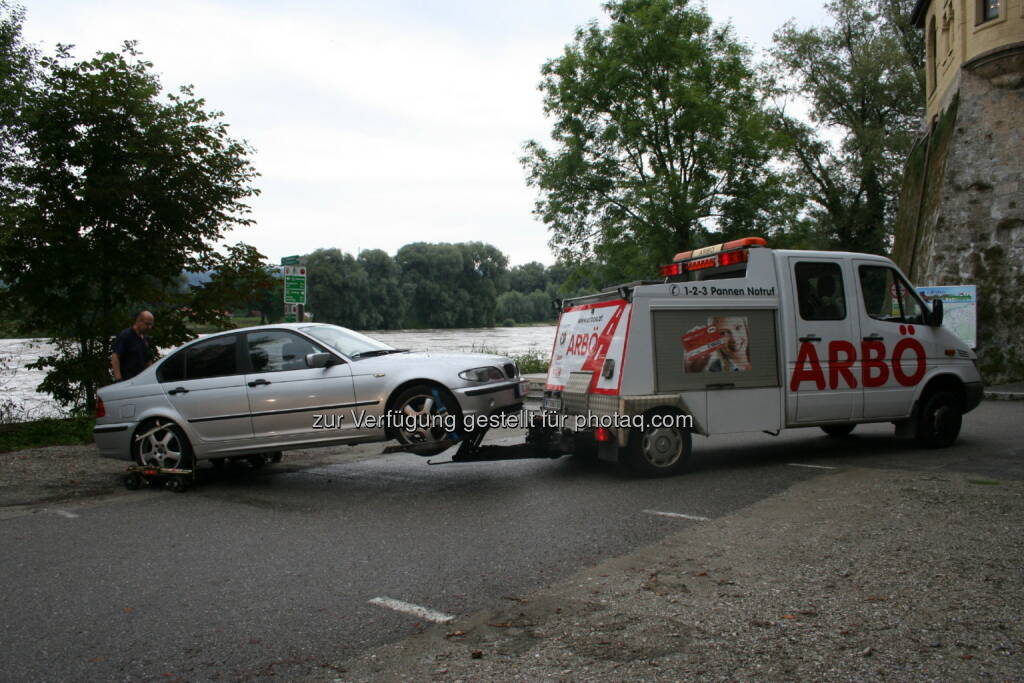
178 390
258 382
810 338
874 337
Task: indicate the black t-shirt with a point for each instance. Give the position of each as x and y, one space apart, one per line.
132 352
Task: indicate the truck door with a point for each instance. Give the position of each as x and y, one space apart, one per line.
822 354
895 340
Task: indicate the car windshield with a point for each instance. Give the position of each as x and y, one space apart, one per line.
350 343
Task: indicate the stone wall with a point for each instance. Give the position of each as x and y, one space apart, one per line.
961 218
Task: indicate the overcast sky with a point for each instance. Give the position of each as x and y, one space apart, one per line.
375 123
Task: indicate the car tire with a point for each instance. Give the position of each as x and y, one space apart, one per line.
838 431
419 403
658 451
938 423
164 445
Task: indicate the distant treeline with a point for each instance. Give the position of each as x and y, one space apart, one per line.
430 285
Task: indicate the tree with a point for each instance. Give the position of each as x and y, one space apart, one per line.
116 192
17 74
338 288
451 285
527 277
385 303
659 139
863 79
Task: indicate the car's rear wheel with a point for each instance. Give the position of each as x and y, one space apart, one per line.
424 415
161 443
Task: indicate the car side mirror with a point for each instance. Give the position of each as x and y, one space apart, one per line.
320 360
935 319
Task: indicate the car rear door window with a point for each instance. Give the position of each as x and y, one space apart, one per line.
212 358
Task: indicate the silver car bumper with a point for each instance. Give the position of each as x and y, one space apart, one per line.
114 440
486 399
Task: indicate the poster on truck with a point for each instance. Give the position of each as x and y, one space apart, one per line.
720 345
587 336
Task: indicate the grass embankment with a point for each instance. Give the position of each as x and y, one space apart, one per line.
51 431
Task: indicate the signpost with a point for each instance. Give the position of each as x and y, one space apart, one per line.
294 288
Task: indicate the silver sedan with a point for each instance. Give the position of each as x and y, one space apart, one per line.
273 388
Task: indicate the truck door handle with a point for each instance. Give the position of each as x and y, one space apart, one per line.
874 337
258 382
724 385
810 338
178 390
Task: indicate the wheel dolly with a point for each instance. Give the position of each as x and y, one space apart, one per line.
175 479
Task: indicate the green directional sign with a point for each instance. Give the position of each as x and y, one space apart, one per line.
289 260
294 284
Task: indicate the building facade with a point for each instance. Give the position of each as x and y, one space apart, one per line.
961 214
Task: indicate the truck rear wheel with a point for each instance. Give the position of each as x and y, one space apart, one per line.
838 431
661 449
938 423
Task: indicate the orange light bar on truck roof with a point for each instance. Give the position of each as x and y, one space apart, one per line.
715 248
709 257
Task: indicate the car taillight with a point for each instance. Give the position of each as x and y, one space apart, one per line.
101 410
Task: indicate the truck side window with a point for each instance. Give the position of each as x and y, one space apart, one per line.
819 290
888 297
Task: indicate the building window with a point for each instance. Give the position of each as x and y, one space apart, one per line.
931 59
988 10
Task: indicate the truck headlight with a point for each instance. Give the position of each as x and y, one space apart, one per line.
484 374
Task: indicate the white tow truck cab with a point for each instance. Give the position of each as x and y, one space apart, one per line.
738 337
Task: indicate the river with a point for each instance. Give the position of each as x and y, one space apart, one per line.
17 383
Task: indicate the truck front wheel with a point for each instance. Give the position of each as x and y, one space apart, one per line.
662 448
938 423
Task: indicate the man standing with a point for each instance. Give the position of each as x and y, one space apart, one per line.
132 354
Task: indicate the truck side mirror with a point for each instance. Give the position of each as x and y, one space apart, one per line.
935 319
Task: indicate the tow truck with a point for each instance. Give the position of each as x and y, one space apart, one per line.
739 337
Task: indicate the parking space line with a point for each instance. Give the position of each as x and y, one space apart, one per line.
816 467
64 513
679 515
414 610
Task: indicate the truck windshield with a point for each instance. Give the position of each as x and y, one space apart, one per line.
346 341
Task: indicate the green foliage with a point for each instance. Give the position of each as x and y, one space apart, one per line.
660 139
451 285
531 362
863 78
46 432
115 190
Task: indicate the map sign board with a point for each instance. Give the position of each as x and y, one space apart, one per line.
294 284
959 309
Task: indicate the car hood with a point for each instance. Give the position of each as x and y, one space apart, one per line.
458 361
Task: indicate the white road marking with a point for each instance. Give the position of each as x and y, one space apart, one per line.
816 467
65 513
678 515
414 610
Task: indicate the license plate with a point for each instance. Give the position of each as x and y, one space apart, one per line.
550 403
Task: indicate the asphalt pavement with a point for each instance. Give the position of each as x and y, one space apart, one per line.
289 573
